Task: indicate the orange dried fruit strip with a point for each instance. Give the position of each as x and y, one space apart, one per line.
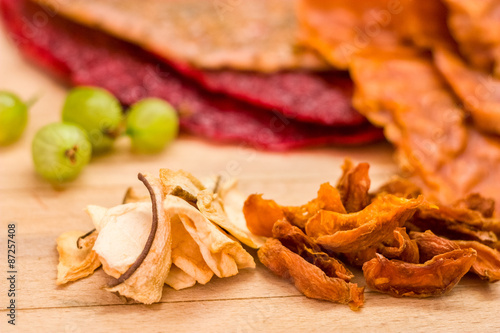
261 214
401 247
435 277
454 223
296 241
307 278
431 245
400 187
476 202
487 264
354 185
357 231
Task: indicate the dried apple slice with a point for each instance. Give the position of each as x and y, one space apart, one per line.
222 254
143 280
76 259
178 279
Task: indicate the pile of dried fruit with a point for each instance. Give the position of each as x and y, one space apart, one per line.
405 244
182 233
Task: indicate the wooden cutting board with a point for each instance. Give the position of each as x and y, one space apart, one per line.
254 300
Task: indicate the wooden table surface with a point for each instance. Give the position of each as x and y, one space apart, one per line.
252 301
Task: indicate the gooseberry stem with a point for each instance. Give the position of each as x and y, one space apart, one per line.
71 154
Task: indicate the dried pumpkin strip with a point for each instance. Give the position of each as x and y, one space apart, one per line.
357 231
401 247
354 185
144 280
431 245
296 241
261 214
76 262
478 203
487 264
307 278
400 187
454 223
435 277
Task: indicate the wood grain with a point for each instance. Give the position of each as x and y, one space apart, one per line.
254 300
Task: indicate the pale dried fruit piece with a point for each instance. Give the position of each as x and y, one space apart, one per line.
221 253
307 278
487 264
186 253
123 231
132 196
431 245
178 279
143 281
213 208
171 180
435 277
357 231
296 241
354 185
76 262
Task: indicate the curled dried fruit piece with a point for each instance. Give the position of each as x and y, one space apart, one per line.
296 241
476 202
431 245
357 231
454 223
354 186
261 214
307 278
400 187
222 254
178 279
401 247
213 207
487 264
144 279
76 262
181 182
435 277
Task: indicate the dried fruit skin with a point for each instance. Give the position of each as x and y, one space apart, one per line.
435 277
354 186
296 241
307 278
76 263
487 264
146 283
357 231
431 245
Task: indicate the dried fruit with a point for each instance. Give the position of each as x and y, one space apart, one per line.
487 264
435 277
400 246
431 245
354 186
75 262
296 241
307 278
261 214
357 231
